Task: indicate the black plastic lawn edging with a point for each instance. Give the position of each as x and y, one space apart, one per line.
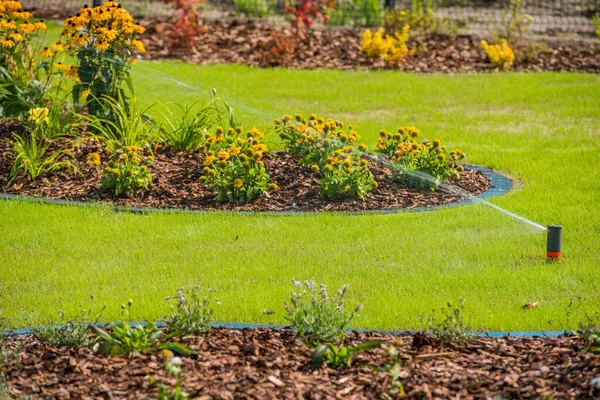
500 185
242 326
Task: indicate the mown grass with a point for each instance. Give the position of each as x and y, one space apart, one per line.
541 129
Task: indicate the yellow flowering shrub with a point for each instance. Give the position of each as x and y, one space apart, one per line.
329 151
126 171
103 41
234 165
417 162
25 68
391 49
501 55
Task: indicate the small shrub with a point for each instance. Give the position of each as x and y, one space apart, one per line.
186 133
500 55
419 164
254 8
391 49
421 19
69 333
278 50
126 172
127 340
190 315
304 13
328 151
356 13
339 356
186 25
234 166
103 41
451 327
316 316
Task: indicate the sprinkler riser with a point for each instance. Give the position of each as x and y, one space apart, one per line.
554 243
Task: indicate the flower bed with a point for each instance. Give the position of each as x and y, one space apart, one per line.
264 363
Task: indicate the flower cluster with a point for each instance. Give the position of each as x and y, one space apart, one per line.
501 55
234 164
391 49
17 28
127 170
329 151
418 162
104 40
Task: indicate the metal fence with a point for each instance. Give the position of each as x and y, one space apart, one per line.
549 16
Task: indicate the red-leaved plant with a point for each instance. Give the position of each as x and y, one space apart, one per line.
186 25
305 12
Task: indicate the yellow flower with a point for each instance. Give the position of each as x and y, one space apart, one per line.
273 187
72 72
238 183
102 45
40 26
39 115
93 159
109 34
138 45
234 150
85 94
46 52
9 44
58 46
8 24
17 37
26 28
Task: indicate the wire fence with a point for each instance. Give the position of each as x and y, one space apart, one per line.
550 17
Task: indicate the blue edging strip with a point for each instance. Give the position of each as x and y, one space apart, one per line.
500 185
241 326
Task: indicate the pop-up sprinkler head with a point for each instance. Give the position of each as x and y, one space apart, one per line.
554 243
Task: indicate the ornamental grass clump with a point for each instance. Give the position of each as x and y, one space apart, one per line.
103 41
234 164
391 49
419 163
317 316
329 152
500 55
126 170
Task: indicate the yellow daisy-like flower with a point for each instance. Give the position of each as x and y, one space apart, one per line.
133 61
238 183
233 150
26 28
17 37
109 34
138 45
46 52
102 45
8 24
58 46
93 159
40 26
72 72
12 5
9 44
39 115
21 15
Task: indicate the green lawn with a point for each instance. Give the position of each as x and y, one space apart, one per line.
541 129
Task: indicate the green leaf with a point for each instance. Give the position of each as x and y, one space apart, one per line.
316 358
177 348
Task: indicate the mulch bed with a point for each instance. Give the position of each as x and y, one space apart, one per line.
175 185
270 364
243 42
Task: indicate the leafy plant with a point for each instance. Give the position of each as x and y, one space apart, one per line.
191 315
172 391
233 164
254 8
421 19
514 23
125 123
69 333
186 25
328 150
304 13
127 171
419 163
33 156
501 55
356 13
128 340
316 316
103 41
590 330
391 49
339 356
278 50
451 327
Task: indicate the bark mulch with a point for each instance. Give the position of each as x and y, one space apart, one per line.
244 42
175 185
270 364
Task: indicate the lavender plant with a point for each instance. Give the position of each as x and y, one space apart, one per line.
191 315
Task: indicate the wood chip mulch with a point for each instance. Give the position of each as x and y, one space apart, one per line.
271 364
176 185
243 42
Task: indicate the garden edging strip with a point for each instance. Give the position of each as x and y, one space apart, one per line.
500 185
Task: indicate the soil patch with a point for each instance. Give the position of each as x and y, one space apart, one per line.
269 364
